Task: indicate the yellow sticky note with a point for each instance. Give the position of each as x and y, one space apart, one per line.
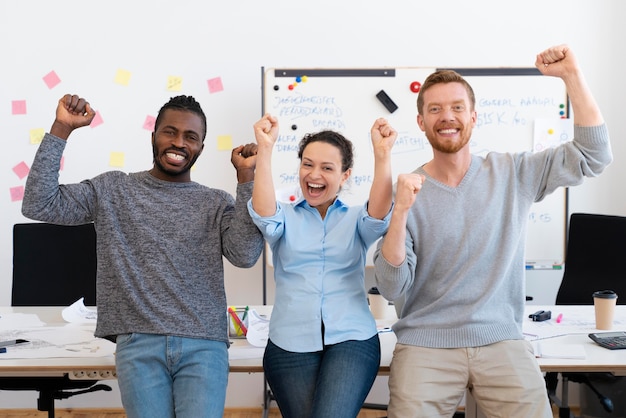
224 142
36 135
116 159
122 77
174 83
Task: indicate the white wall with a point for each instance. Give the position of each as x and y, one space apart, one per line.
86 43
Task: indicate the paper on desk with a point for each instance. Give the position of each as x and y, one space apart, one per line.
78 313
60 335
19 321
574 321
545 349
51 342
258 329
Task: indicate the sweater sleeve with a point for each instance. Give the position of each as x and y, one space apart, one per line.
587 155
242 241
45 200
393 281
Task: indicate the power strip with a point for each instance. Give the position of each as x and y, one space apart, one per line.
92 375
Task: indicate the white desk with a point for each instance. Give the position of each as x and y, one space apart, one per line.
576 324
578 321
95 368
88 368
597 359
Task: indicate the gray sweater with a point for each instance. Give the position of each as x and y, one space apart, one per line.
159 244
462 282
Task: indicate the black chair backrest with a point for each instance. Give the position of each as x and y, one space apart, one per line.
595 258
53 265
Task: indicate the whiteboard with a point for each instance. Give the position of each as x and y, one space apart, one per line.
509 102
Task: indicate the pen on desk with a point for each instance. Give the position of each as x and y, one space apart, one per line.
245 313
3 350
13 342
559 318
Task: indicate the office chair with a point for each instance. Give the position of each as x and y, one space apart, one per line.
594 261
53 265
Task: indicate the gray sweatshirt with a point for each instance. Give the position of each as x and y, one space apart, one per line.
159 244
462 282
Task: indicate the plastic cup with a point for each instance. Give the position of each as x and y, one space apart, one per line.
378 304
604 302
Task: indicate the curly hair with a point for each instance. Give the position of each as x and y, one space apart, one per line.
333 138
184 103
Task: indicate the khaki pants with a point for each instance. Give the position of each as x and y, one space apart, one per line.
504 379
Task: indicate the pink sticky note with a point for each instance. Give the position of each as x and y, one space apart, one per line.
215 85
97 120
18 107
21 170
51 79
17 193
148 123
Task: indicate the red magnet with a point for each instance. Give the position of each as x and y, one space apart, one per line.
416 86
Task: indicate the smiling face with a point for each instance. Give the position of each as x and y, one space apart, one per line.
447 117
321 174
177 142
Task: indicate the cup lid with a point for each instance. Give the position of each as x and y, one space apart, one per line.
373 291
605 294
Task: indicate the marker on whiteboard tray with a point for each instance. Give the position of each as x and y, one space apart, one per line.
386 101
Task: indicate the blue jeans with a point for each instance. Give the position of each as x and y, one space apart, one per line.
333 382
163 376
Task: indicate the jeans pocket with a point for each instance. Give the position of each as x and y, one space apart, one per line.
123 340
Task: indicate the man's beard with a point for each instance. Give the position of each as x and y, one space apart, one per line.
448 147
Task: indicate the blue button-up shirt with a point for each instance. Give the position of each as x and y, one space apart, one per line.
319 270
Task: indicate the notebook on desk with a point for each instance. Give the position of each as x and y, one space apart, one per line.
548 349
